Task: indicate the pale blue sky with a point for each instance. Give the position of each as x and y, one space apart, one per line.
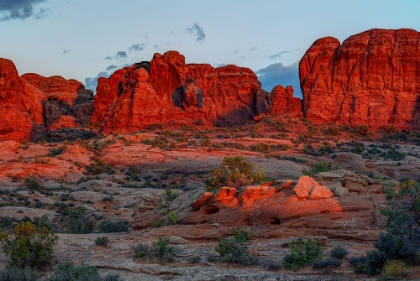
73 38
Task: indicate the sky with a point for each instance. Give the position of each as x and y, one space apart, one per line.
86 39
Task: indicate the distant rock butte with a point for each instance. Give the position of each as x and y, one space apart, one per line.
167 89
32 105
372 79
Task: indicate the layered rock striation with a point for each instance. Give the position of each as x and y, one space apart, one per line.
372 78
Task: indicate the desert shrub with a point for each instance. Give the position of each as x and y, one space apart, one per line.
157 223
99 167
170 195
330 262
304 252
233 250
141 250
172 217
102 241
394 269
32 184
28 246
194 259
18 274
107 226
57 151
213 258
320 167
402 241
387 248
339 252
161 249
67 271
199 122
234 172
272 265
78 223
43 221
6 221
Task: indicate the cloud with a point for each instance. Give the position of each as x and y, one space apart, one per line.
280 74
91 83
279 54
121 55
252 49
137 47
234 52
65 52
20 9
108 58
111 67
198 31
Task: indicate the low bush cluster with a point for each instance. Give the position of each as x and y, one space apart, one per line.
107 226
303 252
234 250
159 249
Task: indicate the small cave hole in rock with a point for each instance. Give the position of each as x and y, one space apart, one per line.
211 210
275 221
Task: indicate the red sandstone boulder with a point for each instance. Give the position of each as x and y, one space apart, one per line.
283 102
309 188
372 79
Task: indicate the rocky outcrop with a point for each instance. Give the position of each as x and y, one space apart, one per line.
283 102
20 104
32 105
372 78
64 98
168 90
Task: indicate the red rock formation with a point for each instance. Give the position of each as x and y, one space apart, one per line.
20 105
169 90
372 79
283 102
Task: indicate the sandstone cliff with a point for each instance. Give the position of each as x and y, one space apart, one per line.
32 105
372 78
167 89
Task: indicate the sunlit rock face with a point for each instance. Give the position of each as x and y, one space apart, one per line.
372 78
303 205
168 90
33 105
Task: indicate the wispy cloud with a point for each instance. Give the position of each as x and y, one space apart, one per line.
121 55
198 31
108 58
65 52
279 54
111 67
234 52
21 9
137 47
252 49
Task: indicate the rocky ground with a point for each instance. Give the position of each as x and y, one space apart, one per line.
144 177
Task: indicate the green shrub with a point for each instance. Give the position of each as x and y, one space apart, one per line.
32 184
67 271
18 274
107 226
161 249
194 259
234 172
330 262
170 195
78 223
141 250
28 247
304 252
233 250
339 252
172 217
57 151
394 269
274 266
102 241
